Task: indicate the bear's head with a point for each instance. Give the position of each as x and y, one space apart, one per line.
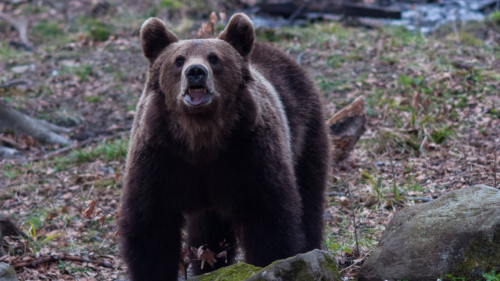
198 76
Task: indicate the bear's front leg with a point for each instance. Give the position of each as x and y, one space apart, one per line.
268 210
150 220
271 234
151 244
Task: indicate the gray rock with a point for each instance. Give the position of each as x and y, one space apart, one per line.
7 272
23 68
314 265
311 266
9 153
457 234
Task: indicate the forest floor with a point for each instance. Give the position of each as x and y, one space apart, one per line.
431 101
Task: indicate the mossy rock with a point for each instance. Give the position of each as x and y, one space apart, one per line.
235 272
311 266
315 265
456 235
7 272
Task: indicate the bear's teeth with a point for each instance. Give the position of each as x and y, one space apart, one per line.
190 90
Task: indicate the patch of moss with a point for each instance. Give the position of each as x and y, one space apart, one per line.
298 271
236 272
330 265
8 273
481 256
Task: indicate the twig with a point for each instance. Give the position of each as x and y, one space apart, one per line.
454 25
421 148
299 57
76 144
338 194
395 187
61 150
66 257
495 169
298 11
14 83
353 218
118 128
423 199
356 262
64 149
12 143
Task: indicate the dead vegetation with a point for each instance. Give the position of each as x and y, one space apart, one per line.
431 107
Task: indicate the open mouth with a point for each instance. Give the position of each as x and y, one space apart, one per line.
197 95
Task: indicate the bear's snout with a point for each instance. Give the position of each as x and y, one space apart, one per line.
196 75
197 91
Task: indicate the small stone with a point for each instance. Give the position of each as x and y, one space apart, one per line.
7 272
23 68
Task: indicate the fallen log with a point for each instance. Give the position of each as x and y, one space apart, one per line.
297 9
41 130
346 127
370 11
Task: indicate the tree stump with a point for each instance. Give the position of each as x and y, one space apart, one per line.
346 127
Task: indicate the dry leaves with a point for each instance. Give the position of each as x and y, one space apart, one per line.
207 29
87 213
205 255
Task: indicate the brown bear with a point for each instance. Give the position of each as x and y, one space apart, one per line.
230 137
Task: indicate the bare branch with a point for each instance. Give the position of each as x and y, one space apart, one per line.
54 258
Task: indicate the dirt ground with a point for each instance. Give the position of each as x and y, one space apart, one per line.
431 103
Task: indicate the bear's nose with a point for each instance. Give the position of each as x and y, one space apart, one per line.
196 74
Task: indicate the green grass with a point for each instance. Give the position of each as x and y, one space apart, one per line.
95 29
107 151
441 135
10 171
70 269
83 71
100 33
492 276
412 185
92 99
7 52
47 29
110 150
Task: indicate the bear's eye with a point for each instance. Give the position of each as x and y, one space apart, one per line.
213 59
179 61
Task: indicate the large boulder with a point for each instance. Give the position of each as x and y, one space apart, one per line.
314 265
457 234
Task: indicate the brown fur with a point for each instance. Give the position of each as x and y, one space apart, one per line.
251 163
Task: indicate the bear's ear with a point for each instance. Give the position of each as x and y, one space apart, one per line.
240 33
155 37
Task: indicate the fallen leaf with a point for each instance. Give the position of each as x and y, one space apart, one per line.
102 219
213 18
